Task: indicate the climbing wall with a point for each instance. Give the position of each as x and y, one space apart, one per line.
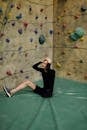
70 39
26 37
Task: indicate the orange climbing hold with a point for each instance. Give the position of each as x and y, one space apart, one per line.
85 77
69 73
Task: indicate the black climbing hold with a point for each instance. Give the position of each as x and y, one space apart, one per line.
81 61
21 71
20 31
31 39
7 40
36 17
35 31
13 24
51 31
19 16
83 9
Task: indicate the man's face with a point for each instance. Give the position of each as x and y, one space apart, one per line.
44 64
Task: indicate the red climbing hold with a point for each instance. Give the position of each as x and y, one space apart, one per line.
41 10
25 24
76 47
18 6
76 17
9 73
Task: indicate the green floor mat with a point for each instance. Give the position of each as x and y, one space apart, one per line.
66 110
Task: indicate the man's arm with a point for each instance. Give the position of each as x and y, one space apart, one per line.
35 66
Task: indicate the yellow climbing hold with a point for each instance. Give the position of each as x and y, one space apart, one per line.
9 15
82 39
69 32
58 65
58 18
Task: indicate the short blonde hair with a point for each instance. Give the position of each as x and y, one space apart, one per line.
48 60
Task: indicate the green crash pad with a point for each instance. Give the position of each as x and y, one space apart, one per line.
66 110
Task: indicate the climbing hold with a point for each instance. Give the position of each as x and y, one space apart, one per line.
85 77
1 11
35 31
18 6
82 39
9 73
41 25
58 65
51 31
13 24
69 32
19 16
63 52
81 61
9 15
27 77
12 5
25 25
30 9
31 39
58 33
64 11
78 33
76 46
36 17
1 58
1 35
45 17
20 48
26 54
5 20
21 71
58 18
20 31
41 10
76 17
7 40
83 8
42 39
69 73
64 25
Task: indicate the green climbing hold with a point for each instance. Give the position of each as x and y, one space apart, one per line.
78 33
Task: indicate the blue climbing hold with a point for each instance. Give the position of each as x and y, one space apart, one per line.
42 39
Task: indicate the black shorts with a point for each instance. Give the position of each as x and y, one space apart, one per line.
43 92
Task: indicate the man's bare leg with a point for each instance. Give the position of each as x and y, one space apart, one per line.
22 86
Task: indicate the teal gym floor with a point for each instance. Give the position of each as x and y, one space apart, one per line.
66 110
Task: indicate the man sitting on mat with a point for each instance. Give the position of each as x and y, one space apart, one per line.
48 76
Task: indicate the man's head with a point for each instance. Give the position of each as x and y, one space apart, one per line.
46 63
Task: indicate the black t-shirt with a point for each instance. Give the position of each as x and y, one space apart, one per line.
48 76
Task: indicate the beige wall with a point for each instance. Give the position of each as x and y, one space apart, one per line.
69 62
19 51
